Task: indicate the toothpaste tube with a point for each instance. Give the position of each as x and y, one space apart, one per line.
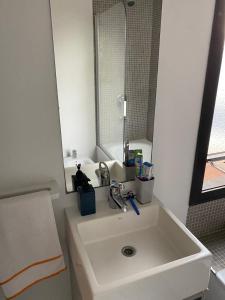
147 170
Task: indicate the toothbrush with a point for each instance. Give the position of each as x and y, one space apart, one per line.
130 198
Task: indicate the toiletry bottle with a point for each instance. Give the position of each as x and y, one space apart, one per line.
138 164
147 170
131 158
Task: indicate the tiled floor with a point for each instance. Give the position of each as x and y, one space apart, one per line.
216 290
216 244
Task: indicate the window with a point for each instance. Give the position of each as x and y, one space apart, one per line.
208 181
214 176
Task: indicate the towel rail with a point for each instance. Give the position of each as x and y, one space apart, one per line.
50 186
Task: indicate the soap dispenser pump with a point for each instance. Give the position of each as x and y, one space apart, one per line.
86 192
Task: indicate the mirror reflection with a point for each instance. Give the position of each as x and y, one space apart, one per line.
106 56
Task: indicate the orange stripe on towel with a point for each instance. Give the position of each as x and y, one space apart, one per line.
35 282
30 266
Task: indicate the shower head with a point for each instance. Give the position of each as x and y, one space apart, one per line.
130 2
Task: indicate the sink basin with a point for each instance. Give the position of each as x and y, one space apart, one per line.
162 259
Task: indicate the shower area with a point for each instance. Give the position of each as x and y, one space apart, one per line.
126 60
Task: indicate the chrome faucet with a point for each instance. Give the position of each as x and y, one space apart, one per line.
104 173
115 197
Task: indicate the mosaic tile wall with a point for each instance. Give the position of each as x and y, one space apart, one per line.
99 6
204 219
110 38
139 39
156 27
142 57
143 27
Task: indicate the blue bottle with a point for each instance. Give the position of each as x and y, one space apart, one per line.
86 200
86 192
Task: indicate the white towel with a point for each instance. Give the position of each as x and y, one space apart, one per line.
29 244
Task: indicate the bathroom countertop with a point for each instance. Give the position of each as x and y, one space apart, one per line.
102 210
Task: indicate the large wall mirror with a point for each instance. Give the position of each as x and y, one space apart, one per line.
106 57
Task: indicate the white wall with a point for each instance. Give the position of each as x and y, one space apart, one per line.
74 57
184 44
30 145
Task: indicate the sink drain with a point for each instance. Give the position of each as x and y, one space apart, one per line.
128 251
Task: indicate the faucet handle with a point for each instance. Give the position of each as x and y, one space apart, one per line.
114 187
121 186
122 189
118 185
114 184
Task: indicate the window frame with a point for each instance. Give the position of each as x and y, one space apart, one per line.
215 56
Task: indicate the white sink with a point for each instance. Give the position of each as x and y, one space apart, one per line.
169 264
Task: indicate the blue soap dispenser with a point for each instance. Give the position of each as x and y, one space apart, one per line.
86 193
